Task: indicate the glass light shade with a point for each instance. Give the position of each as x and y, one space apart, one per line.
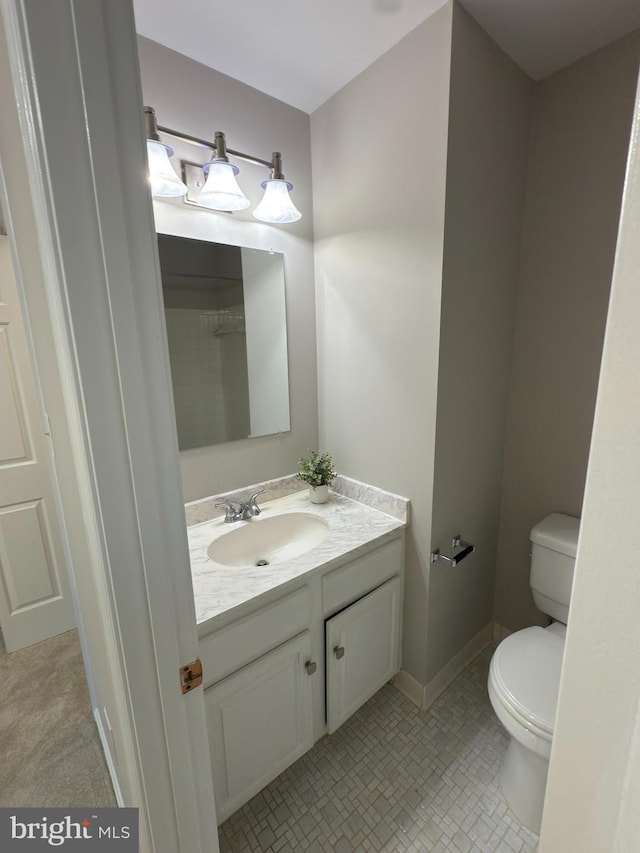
276 206
221 190
162 177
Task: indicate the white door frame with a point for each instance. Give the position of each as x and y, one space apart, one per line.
76 85
594 772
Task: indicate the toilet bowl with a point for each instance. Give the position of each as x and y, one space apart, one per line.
524 676
524 679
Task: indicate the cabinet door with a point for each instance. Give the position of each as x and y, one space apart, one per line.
362 651
260 721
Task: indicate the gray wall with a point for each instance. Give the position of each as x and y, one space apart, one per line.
190 97
580 135
489 123
407 328
379 168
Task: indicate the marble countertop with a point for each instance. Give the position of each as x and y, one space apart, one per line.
353 528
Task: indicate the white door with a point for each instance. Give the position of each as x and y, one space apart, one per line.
362 651
35 599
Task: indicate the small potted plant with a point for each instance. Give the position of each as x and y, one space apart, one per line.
317 471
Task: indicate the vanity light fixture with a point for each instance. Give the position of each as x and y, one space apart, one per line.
220 190
164 181
276 204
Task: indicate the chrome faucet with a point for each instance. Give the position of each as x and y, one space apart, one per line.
242 510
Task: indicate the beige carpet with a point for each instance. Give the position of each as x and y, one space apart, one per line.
50 752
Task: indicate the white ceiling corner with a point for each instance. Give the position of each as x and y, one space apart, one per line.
303 51
299 51
543 36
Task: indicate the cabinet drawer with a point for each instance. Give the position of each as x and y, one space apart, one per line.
245 640
344 585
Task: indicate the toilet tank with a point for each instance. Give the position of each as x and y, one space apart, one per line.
553 555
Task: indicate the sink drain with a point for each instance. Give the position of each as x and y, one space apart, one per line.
262 563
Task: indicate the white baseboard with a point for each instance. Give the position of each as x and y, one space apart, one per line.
409 687
500 632
455 666
106 748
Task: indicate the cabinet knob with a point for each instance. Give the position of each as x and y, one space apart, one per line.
338 651
311 667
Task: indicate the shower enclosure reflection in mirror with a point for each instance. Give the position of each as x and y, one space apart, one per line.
227 334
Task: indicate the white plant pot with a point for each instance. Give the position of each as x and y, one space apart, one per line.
318 494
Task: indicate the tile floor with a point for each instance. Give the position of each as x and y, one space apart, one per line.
393 778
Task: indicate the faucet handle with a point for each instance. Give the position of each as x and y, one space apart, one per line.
252 502
231 510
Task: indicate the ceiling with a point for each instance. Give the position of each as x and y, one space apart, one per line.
303 51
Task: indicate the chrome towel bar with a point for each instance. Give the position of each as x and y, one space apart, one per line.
456 542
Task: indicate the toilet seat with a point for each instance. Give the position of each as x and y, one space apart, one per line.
525 677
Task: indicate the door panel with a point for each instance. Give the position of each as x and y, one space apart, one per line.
362 651
13 439
24 539
35 597
260 722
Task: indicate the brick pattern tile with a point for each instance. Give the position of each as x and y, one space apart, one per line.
393 778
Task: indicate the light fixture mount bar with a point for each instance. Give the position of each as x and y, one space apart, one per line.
249 158
204 143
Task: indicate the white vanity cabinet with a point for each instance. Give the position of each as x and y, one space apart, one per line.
260 721
362 604
258 697
362 651
269 681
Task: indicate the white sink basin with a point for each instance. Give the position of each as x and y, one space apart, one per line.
263 541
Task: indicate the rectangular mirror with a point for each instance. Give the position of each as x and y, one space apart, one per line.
227 332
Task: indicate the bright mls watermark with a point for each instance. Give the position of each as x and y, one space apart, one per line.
100 830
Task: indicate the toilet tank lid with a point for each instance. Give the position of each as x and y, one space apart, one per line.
558 532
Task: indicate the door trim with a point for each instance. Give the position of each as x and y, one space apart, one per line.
96 238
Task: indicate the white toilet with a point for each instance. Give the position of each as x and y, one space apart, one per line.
525 671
